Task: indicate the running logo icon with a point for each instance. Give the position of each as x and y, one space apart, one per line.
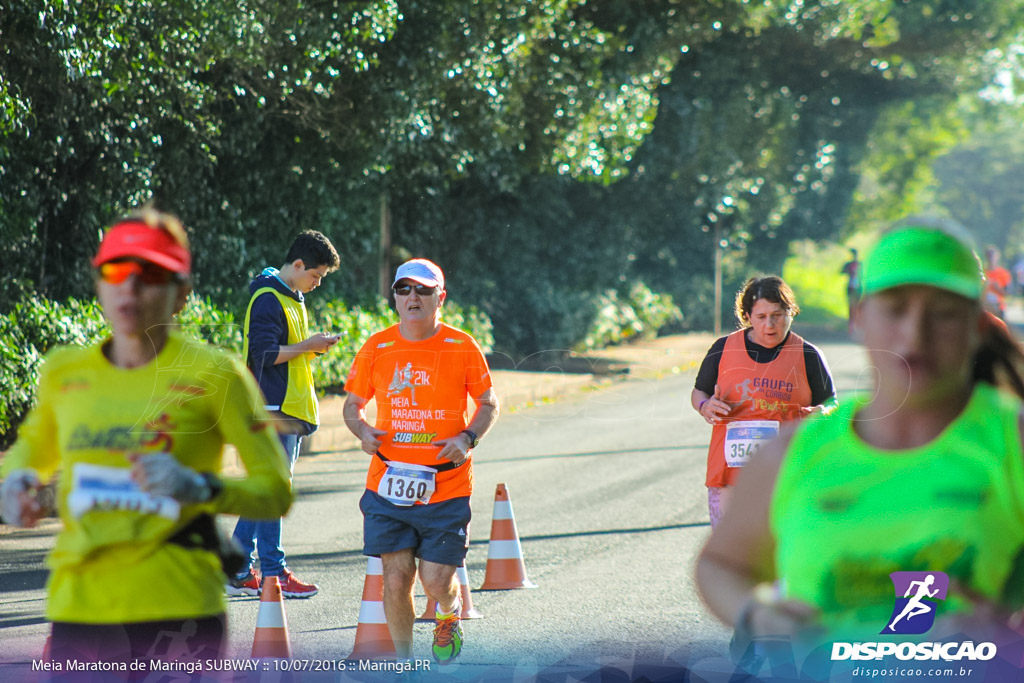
917 594
401 381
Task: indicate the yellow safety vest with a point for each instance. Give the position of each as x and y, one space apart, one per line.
300 397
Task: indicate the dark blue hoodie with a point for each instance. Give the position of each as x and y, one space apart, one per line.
268 332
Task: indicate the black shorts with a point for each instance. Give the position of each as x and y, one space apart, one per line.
436 532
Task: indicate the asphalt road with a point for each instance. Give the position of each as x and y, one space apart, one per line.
607 490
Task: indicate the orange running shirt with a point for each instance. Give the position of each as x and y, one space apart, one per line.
757 391
422 390
999 276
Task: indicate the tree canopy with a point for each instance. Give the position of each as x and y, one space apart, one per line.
539 151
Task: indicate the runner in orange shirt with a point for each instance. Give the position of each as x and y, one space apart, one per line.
997 283
416 504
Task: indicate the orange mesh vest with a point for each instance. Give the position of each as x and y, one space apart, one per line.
756 391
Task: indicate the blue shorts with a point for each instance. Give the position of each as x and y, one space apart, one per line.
436 532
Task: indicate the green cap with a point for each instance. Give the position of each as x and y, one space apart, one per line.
920 255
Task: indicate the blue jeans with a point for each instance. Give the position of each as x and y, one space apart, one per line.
263 537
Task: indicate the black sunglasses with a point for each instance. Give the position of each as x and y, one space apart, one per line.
422 290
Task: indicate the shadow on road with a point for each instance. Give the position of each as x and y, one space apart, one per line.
310 491
604 532
588 454
22 619
356 555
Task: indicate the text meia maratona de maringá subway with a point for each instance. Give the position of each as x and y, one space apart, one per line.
189 666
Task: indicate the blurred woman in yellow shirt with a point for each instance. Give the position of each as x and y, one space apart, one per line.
133 429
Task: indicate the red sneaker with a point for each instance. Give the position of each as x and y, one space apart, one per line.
293 588
248 585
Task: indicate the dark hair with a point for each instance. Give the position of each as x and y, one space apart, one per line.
999 361
314 250
770 288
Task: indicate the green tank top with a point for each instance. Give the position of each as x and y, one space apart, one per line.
845 514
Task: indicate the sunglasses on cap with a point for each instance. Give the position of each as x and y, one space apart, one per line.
422 290
116 272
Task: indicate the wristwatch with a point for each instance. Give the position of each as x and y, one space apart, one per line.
473 438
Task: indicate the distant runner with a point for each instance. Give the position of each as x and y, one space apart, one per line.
997 283
851 269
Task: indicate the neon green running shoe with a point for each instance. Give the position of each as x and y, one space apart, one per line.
448 636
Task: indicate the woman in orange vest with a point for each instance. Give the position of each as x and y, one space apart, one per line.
754 379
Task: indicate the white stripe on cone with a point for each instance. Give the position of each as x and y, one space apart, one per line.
503 509
504 550
268 618
372 613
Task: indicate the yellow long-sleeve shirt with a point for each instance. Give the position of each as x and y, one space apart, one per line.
110 563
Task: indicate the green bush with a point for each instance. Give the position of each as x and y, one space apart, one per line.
614 320
471 320
357 324
560 321
203 320
813 271
27 332
541 318
654 311
638 316
547 319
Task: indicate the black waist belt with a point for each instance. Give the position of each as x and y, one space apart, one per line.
202 533
440 468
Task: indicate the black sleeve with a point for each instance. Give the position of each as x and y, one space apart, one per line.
707 376
819 376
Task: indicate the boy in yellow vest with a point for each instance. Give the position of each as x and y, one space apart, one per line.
279 349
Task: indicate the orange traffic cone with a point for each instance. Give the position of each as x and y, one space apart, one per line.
271 629
373 639
467 601
505 568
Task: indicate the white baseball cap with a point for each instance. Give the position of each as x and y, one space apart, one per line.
422 271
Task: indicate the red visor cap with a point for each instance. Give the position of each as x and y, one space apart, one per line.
138 240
